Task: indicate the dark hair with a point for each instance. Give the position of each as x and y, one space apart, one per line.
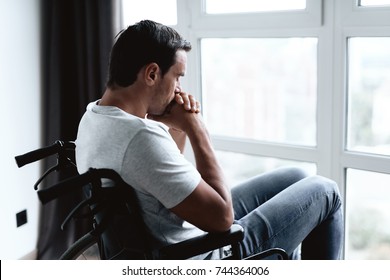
140 44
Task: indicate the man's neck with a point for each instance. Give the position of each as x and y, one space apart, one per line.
125 99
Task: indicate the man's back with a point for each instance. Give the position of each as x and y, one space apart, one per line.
147 158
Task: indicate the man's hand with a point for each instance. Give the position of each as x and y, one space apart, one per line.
188 101
178 113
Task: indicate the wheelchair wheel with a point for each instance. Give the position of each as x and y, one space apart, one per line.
86 248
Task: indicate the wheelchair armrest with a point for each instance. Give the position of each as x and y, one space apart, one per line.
273 253
202 244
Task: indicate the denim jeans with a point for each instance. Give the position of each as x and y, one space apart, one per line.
284 208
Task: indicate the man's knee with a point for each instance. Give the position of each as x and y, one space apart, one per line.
329 188
327 184
294 173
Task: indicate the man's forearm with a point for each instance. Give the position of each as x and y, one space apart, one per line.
206 161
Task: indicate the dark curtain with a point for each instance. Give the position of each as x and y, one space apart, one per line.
77 36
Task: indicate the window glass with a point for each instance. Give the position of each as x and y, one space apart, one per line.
261 88
238 167
369 95
368 215
245 6
162 11
374 2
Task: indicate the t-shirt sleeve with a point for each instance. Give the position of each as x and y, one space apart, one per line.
154 165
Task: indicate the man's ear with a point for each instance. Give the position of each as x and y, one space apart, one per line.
151 73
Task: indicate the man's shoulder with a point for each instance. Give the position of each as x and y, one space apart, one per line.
117 117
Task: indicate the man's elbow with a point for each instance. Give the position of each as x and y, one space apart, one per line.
222 223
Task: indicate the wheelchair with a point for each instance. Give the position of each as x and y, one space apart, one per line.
118 229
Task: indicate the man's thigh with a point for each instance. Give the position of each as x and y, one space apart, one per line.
252 193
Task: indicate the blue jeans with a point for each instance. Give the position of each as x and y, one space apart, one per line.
286 209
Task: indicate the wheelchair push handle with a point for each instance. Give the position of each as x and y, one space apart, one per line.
41 153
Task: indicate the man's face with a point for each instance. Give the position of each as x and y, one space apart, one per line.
169 85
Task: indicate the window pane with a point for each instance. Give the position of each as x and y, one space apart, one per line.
162 11
369 95
238 167
248 6
262 88
374 2
368 215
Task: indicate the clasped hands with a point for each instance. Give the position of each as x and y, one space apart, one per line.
176 114
188 101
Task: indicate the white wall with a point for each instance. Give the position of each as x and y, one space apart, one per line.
20 125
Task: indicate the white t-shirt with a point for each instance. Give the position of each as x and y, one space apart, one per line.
147 158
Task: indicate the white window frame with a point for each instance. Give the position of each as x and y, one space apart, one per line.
355 15
332 22
296 18
355 22
305 23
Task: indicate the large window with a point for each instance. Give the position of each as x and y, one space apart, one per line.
255 90
302 83
373 3
368 215
251 6
369 94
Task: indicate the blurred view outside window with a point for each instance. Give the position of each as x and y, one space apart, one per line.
369 95
261 88
254 165
368 215
162 11
245 6
374 2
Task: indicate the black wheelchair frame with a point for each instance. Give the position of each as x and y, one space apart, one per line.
119 231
